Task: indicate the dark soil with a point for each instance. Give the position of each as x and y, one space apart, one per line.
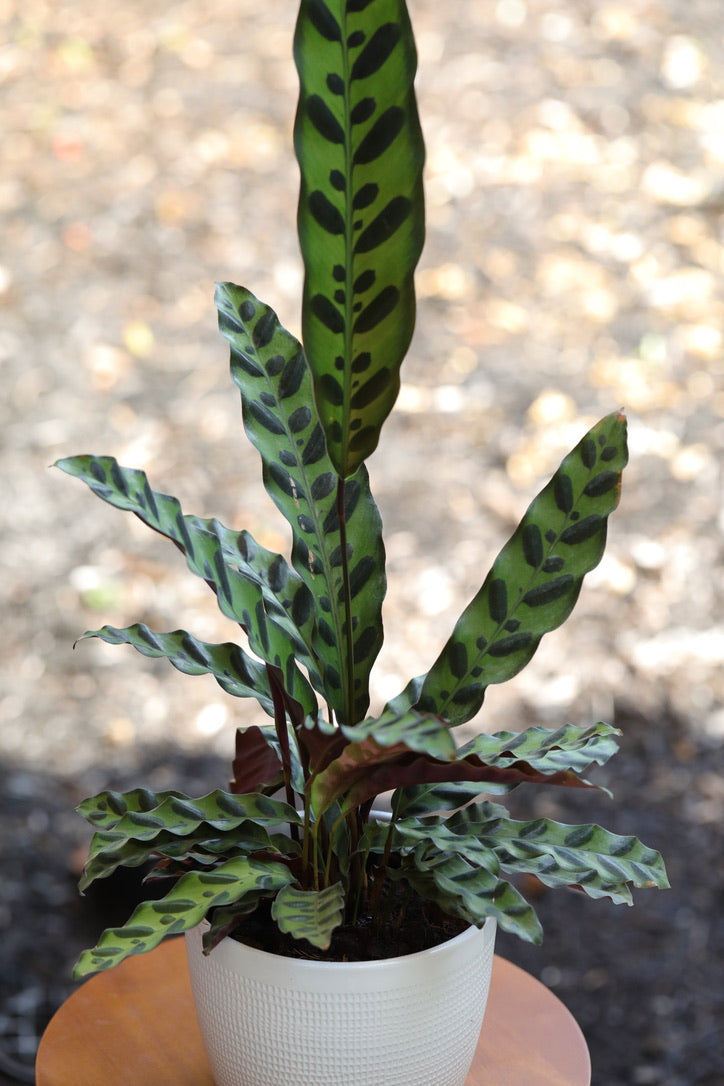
399 927
573 265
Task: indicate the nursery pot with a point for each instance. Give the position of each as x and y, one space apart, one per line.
414 1020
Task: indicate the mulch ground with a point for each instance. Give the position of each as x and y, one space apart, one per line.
574 265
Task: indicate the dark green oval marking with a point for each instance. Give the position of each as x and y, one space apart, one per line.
324 120
327 313
384 132
376 52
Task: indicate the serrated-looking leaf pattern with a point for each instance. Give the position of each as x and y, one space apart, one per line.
271 372
360 151
221 558
536 578
181 909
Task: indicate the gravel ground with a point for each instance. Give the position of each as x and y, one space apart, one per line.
574 265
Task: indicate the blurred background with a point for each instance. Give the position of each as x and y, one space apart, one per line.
574 265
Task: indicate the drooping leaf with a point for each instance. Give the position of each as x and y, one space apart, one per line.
423 800
234 670
203 845
536 578
470 890
547 749
220 557
271 371
587 857
361 223
181 815
181 909
414 750
310 914
132 826
105 810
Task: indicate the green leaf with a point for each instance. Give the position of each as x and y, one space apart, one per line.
134 825
423 800
228 561
181 815
565 751
361 221
181 909
269 367
546 749
204 845
105 810
234 670
536 578
310 914
471 889
586 857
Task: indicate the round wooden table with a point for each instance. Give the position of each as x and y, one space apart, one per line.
136 1025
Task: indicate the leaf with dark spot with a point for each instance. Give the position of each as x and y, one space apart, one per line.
365 196
323 485
376 51
365 142
331 390
328 314
382 228
377 310
520 593
363 110
326 214
588 452
266 418
324 120
360 575
602 483
498 600
371 390
563 492
263 331
549 591
458 659
582 530
506 646
383 133
532 545
291 376
323 21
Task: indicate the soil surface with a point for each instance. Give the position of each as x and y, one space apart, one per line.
574 265
389 933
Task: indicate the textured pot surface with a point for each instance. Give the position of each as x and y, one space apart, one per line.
408 1021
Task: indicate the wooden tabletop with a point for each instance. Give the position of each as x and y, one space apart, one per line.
136 1024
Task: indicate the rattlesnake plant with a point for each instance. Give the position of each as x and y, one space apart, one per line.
295 827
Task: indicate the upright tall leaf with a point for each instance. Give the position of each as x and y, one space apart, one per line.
342 565
536 578
357 137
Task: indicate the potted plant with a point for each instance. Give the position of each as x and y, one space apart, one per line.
292 857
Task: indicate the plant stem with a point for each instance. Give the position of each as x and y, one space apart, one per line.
280 723
390 832
348 663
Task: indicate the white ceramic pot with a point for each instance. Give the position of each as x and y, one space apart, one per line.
408 1021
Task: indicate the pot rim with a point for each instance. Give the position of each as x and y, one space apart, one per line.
232 948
